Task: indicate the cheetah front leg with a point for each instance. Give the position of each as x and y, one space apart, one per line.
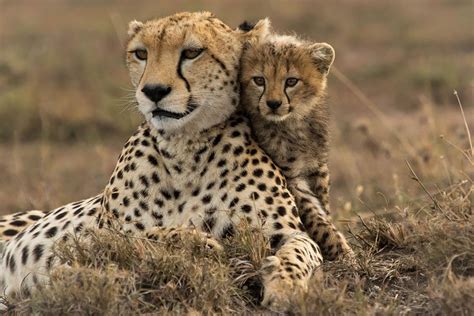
318 223
173 234
289 270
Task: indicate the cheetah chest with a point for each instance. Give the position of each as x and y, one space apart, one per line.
212 183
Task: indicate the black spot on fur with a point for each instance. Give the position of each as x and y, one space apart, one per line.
228 231
269 200
275 240
18 223
206 199
258 172
240 187
281 211
34 217
155 177
38 252
10 232
246 208
217 140
234 202
152 160
226 148
158 202
24 255
166 194
50 233
12 264
208 224
238 150
140 226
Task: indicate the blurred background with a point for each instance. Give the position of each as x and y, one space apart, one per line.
65 107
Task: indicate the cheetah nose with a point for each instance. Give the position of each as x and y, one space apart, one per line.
273 104
156 92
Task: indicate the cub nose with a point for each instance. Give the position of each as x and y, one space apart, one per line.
156 92
273 104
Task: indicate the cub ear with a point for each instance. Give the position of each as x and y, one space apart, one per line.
134 27
323 56
257 31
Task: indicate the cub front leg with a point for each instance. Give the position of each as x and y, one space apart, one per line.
173 234
319 184
318 223
289 270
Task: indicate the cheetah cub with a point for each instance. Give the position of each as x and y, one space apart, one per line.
283 90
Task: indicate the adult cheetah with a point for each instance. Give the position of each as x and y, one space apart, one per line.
192 164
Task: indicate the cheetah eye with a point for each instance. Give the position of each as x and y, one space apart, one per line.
259 81
291 82
192 53
140 54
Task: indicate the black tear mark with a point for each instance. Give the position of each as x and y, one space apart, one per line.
263 92
180 73
287 97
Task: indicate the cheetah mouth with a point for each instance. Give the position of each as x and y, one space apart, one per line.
164 113
276 117
174 115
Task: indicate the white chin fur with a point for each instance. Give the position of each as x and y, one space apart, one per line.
167 123
171 124
276 118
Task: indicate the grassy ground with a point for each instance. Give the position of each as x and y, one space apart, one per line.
418 261
63 104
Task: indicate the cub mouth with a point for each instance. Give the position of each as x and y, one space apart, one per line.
164 113
276 117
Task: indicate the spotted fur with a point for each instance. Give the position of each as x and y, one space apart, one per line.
12 224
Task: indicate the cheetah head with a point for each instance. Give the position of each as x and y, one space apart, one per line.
185 69
284 77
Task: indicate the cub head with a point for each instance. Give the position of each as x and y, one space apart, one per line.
283 77
185 69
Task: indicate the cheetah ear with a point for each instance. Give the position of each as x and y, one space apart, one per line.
254 32
323 56
134 27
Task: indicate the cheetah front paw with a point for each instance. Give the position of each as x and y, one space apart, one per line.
175 233
279 286
349 258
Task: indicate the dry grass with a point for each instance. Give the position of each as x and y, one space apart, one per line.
111 273
417 261
401 157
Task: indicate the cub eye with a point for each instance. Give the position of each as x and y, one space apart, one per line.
259 81
140 54
192 53
291 82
